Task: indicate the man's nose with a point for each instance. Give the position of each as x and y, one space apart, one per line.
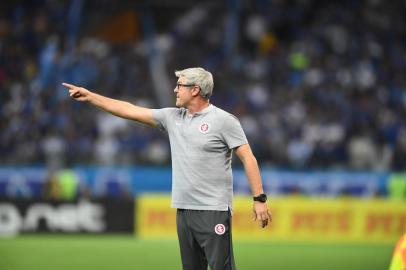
175 90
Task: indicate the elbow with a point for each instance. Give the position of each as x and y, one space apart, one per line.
254 160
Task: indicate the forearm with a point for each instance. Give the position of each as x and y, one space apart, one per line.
113 106
253 174
121 108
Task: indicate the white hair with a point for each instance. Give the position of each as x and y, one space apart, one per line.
200 77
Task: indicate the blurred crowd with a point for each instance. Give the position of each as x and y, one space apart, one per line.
315 84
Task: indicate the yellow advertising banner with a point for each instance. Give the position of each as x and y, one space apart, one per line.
294 219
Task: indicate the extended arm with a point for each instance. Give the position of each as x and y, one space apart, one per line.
251 168
116 107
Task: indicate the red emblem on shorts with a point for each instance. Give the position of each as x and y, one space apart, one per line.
204 128
220 229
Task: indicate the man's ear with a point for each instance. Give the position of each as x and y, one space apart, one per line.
195 91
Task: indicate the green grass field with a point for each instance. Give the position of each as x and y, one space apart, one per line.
64 252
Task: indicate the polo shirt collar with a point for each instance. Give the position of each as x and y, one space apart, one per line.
205 110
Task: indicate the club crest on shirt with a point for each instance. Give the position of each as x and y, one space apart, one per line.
204 127
220 229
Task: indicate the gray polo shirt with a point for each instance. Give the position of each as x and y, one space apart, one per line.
201 149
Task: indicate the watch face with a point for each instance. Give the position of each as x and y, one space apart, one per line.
260 198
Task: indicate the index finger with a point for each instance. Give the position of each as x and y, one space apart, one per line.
68 85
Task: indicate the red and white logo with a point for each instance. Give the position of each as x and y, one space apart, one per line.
220 229
204 128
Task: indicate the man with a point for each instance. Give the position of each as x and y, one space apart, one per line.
202 138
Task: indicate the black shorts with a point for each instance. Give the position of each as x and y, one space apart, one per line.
205 239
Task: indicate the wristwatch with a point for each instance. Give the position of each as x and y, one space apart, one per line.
260 198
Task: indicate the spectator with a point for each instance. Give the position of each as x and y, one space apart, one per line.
300 75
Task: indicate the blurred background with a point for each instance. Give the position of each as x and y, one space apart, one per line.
317 85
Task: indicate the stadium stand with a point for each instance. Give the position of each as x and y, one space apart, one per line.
316 84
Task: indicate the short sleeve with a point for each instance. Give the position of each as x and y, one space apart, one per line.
233 133
162 117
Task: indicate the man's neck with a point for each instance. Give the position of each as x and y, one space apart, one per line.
198 106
